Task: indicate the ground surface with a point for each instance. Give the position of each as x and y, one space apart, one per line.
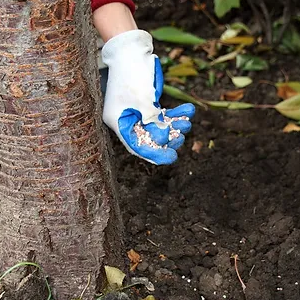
239 198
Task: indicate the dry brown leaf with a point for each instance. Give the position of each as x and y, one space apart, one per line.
16 90
176 52
234 95
133 256
162 257
175 80
197 146
291 127
211 48
135 259
285 91
186 59
199 7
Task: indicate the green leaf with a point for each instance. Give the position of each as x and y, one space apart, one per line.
241 81
249 62
201 63
290 42
295 85
211 78
290 107
175 35
166 61
240 26
229 104
180 95
224 6
114 277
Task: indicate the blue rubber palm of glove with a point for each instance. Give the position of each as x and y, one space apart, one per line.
159 156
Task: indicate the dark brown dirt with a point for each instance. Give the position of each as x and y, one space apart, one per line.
240 198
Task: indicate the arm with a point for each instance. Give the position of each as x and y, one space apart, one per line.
135 84
113 19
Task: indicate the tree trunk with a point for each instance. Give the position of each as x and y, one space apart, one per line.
57 199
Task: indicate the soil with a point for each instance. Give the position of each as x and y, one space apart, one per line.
238 198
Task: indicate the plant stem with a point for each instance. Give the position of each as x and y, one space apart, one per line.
206 13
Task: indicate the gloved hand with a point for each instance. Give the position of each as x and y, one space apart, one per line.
134 86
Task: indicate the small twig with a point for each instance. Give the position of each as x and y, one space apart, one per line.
263 106
257 16
206 13
267 82
286 76
269 34
250 273
287 14
206 229
151 242
85 288
235 257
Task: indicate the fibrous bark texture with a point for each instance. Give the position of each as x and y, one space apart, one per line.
56 192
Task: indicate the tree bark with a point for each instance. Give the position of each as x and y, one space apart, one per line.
57 201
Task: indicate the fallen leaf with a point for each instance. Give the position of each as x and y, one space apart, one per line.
175 79
16 90
211 78
201 64
284 91
176 52
183 69
239 40
229 33
114 276
291 127
185 59
295 85
229 105
135 259
162 257
197 146
211 144
240 26
234 95
175 35
249 62
180 95
290 107
150 297
210 48
229 56
241 81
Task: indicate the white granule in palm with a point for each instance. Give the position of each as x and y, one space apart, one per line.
144 136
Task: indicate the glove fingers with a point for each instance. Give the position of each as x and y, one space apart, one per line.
182 125
157 156
177 142
186 109
158 135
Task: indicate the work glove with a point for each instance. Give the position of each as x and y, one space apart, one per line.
131 106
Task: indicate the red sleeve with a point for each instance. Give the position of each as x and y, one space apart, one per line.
97 3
